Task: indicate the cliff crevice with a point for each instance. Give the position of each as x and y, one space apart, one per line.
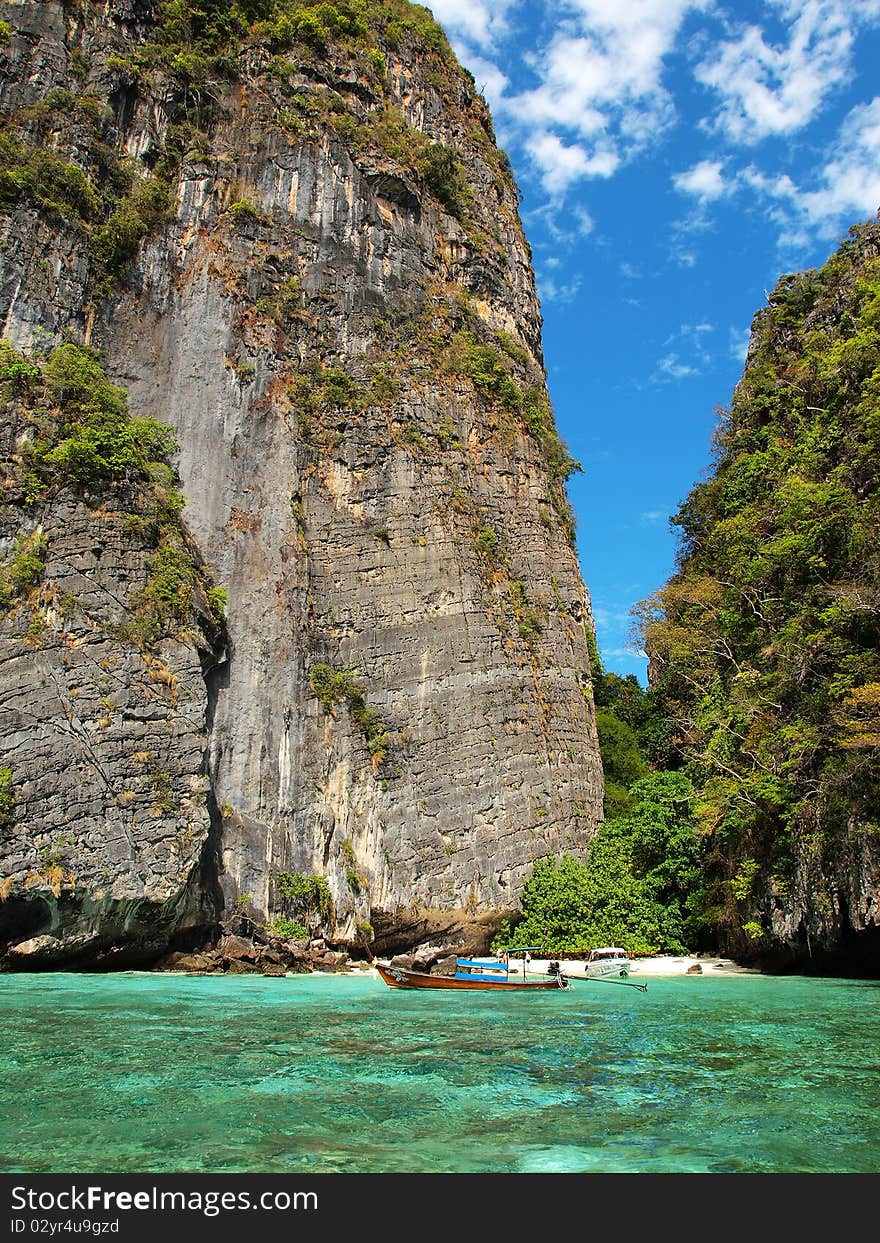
299 246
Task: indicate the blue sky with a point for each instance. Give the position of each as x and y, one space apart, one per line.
675 157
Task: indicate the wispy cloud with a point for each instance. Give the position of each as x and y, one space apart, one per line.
618 655
695 331
564 229
690 339
683 256
611 616
739 343
768 88
671 367
479 22
551 290
847 185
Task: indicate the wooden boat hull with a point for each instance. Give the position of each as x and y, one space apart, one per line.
398 977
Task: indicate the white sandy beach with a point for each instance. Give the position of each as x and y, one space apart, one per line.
661 965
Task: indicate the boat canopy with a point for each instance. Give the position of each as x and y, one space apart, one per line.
523 949
480 969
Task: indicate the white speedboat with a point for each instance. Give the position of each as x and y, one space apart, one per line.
610 960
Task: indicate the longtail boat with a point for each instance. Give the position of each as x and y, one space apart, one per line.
492 974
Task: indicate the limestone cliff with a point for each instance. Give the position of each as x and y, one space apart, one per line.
765 645
290 234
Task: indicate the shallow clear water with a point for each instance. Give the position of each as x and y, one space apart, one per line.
139 1072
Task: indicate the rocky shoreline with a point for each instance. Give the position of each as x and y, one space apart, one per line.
241 945
252 950
245 948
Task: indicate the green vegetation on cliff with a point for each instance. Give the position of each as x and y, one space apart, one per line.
491 371
23 569
193 38
75 430
7 798
304 901
765 645
79 429
760 732
197 46
331 686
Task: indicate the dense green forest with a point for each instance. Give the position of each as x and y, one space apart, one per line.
752 764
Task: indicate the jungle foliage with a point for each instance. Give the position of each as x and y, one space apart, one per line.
641 885
765 645
637 889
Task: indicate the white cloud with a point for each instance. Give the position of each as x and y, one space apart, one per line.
847 186
850 181
560 165
480 22
705 181
585 223
768 88
491 81
588 92
600 93
779 187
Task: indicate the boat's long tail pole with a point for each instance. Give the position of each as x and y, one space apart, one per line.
588 979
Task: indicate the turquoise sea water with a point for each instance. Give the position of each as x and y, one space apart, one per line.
143 1073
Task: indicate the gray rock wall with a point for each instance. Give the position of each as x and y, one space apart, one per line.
347 532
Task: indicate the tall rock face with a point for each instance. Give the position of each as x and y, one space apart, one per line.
766 645
290 234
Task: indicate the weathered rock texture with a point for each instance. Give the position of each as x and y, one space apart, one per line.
766 651
309 319
111 837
